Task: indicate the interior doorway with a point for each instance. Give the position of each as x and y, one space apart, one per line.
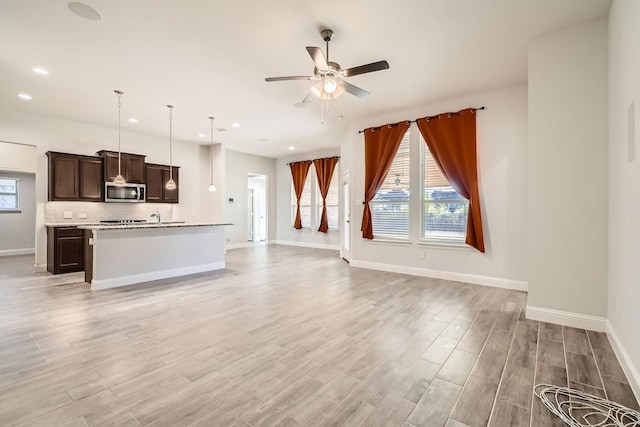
346 217
257 208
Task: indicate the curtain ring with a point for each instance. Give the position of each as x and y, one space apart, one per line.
449 115
389 126
408 123
473 111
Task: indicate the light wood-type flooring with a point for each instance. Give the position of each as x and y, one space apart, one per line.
284 336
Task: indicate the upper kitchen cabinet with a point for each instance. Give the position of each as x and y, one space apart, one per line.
131 166
74 177
157 177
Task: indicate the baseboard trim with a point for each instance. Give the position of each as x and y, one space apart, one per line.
517 285
305 244
236 246
40 268
567 318
12 252
628 367
97 285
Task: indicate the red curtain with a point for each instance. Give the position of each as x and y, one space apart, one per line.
451 139
324 172
380 147
299 174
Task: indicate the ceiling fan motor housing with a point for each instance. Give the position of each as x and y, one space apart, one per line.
326 35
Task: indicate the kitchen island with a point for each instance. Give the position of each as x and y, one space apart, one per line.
120 255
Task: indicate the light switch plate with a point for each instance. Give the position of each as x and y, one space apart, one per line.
68 215
82 216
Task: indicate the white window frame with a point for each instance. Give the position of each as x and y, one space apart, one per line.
15 209
445 239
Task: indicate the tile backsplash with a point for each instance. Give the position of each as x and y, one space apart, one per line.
96 211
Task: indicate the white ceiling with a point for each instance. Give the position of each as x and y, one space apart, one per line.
211 57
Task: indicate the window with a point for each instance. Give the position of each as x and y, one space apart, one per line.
390 206
444 210
305 200
8 194
332 202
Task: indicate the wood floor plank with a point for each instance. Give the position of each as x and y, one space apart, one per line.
392 411
475 402
435 405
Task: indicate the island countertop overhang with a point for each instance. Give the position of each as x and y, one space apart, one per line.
148 225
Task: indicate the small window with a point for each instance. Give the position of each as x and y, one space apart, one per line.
390 206
9 194
444 210
332 203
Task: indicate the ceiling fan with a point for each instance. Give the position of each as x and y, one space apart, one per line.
330 77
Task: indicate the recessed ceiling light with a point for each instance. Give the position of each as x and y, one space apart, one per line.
133 120
201 135
84 11
292 148
25 96
236 125
221 129
340 117
40 70
262 139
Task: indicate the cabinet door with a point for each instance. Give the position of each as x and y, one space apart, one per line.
91 183
170 196
154 183
69 246
135 169
64 180
111 167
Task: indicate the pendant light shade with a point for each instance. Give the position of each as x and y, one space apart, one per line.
170 185
119 180
212 186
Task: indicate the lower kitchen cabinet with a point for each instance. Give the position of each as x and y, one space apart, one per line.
65 250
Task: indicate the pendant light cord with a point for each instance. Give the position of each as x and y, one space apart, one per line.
119 93
170 142
211 149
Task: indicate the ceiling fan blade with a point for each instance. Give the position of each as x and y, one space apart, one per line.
374 66
309 98
279 79
318 57
354 90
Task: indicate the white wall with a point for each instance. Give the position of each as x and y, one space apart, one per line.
501 142
55 134
18 229
308 236
238 166
567 172
624 181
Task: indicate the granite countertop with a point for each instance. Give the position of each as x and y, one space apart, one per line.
103 226
147 225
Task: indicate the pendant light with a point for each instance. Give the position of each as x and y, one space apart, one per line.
171 185
119 180
212 186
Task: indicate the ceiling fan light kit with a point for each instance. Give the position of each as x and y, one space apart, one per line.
330 75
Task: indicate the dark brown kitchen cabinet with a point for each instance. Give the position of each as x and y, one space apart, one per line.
131 166
65 250
157 177
74 177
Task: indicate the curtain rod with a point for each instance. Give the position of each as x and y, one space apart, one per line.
337 157
428 117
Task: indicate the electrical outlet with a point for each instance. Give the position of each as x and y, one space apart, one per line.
82 216
421 254
24 240
68 215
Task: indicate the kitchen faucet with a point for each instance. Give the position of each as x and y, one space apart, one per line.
156 214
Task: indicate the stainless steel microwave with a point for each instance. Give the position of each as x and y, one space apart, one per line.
128 193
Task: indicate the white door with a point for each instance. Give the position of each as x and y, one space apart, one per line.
346 217
251 213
